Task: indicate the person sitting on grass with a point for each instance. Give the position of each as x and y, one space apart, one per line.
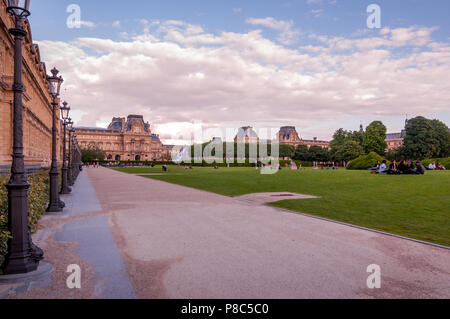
440 167
402 167
376 168
383 168
164 168
393 169
432 166
410 168
420 169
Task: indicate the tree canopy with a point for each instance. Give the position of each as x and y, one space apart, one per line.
92 154
312 154
302 153
374 138
348 150
317 154
426 139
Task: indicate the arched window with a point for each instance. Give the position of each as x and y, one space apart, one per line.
117 157
109 157
138 157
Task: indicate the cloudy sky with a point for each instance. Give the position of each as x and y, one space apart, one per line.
313 64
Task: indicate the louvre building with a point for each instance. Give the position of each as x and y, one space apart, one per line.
125 139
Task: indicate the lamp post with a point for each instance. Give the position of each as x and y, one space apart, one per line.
78 160
70 156
23 256
55 204
65 189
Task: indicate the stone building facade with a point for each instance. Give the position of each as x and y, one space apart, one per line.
395 140
125 139
289 135
37 109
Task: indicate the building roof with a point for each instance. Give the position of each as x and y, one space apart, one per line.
316 141
116 125
393 136
131 119
120 124
287 130
87 128
246 131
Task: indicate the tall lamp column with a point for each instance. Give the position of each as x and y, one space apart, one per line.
70 155
22 256
55 204
65 189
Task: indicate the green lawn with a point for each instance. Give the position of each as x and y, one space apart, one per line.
412 206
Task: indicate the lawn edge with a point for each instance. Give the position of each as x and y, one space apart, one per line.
361 227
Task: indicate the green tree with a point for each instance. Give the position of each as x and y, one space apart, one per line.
339 138
426 139
317 154
92 154
287 151
301 153
442 135
395 154
374 139
357 137
348 151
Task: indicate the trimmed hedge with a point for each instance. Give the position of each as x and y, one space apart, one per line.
203 164
38 198
365 162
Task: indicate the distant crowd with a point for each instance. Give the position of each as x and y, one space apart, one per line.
92 164
405 167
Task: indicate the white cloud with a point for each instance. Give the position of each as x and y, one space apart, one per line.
287 34
271 23
87 24
181 73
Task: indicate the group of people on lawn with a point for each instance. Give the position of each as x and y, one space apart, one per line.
404 168
436 166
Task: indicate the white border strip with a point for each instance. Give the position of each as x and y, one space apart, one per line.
361 227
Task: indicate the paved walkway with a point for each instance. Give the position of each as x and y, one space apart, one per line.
138 237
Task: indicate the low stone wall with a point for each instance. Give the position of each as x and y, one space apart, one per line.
29 169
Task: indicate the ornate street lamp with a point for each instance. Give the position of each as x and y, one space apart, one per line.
65 189
55 204
70 180
65 109
23 256
20 9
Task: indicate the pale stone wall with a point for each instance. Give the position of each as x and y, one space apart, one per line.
394 143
